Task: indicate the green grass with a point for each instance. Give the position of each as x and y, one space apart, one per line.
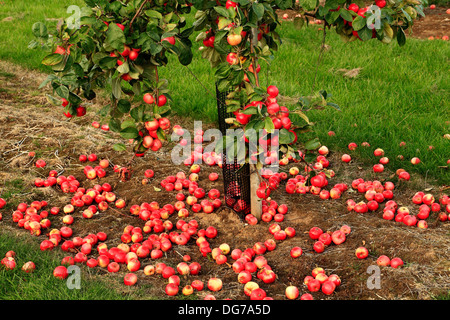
10 190
41 285
401 93
16 33
440 3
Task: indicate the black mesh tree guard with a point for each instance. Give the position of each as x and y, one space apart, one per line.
236 178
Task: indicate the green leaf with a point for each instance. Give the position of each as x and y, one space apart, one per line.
49 78
129 133
407 16
155 48
346 15
250 110
168 17
365 34
161 134
223 85
334 105
332 16
222 11
308 5
39 30
285 4
258 9
137 113
53 59
115 37
220 43
116 114
137 88
52 100
128 123
359 23
124 105
236 77
104 111
223 22
312 144
285 137
119 147
310 157
259 124
401 38
154 14
63 92
88 46
114 125
187 32
74 99
107 63
268 125
116 89
185 54
33 44
99 56
124 68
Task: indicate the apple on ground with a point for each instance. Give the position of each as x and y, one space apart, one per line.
362 253
130 279
215 284
292 292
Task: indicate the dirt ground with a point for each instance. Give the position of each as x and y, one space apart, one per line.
436 23
28 123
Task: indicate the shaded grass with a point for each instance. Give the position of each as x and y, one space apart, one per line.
41 285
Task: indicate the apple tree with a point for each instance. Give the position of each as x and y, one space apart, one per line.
236 35
117 47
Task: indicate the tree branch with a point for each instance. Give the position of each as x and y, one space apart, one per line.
137 13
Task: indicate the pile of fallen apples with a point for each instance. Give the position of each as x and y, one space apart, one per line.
144 247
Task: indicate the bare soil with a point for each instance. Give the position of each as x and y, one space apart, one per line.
436 23
29 123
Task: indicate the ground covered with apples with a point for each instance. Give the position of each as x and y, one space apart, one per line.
29 124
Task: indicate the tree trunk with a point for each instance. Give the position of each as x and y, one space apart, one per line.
255 201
